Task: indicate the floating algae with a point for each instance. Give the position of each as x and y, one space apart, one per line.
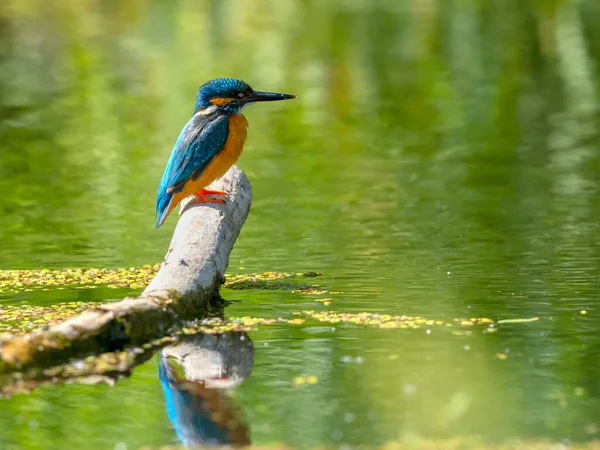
270 280
26 318
393 321
108 367
15 281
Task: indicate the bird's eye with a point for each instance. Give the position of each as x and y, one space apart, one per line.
241 95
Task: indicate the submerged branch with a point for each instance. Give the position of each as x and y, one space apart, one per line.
184 288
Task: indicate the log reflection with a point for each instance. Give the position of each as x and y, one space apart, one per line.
195 375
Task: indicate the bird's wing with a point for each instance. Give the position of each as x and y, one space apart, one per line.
200 140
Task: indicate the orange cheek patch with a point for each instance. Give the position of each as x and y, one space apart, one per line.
221 101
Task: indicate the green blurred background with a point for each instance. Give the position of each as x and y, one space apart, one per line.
441 159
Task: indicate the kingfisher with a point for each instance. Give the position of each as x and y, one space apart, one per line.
209 143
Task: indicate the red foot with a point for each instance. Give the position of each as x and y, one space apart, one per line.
202 197
211 192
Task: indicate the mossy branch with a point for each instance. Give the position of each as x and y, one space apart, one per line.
184 288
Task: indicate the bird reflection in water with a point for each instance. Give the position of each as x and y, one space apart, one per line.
194 375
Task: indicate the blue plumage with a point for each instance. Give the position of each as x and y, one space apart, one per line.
190 412
221 87
198 143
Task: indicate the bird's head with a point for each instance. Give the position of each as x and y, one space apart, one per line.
231 95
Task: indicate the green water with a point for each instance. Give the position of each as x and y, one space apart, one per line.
441 159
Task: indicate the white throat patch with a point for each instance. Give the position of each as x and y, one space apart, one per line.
208 110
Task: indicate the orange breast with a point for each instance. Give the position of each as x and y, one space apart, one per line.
238 130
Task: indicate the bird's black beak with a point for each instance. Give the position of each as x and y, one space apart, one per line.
257 96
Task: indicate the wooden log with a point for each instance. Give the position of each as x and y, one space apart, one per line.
184 288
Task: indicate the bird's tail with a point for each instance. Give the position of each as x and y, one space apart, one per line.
164 206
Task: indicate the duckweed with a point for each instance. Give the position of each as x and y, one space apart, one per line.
107 367
15 281
26 318
394 321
